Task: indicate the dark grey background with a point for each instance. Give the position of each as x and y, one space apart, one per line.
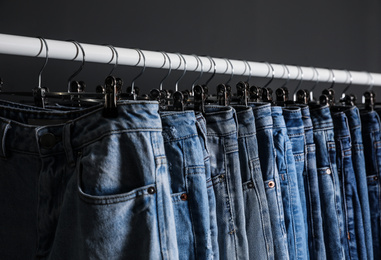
335 34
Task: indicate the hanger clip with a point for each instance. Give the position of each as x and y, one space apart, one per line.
255 94
199 98
222 95
281 96
178 101
327 97
110 109
302 96
242 93
39 97
369 100
267 95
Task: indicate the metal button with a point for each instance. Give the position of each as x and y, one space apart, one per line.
271 184
375 178
184 197
328 171
48 140
250 185
151 190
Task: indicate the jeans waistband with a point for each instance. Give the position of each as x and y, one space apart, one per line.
277 115
178 125
293 118
89 126
220 120
370 121
246 121
262 114
353 116
340 123
321 118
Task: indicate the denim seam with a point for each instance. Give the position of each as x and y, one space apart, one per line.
169 140
222 134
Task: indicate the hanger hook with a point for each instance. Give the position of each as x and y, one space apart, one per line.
333 78
77 44
185 70
371 83
169 70
250 71
288 75
141 54
43 42
232 72
300 72
113 49
272 74
214 70
350 82
199 61
317 79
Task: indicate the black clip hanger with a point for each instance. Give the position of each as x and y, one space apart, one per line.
255 94
302 96
199 98
281 96
222 95
110 109
39 91
370 100
134 91
242 93
267 95
327 97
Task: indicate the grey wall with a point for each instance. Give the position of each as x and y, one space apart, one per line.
335 34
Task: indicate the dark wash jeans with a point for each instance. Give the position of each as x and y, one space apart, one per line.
311 185
92 187
267 157
358 158
258 227
293 214
188 184
202 134
329 185
371 134
354 240
222 141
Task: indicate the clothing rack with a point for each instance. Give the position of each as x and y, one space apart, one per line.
67 50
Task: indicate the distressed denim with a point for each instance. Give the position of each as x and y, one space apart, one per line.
227 183
354 239
188 184
311 184
329 186
295 131
267 157
293 214
258 227
371 134
79 198
202 133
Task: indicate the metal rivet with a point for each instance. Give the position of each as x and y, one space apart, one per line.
250 185
184 196
271 184
328 171
375 178
222 176
151 190
48 140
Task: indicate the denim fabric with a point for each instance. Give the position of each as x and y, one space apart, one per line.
354 239
293 214
266 150
311 184
258 227
72 196
329 186
227 183
188 184
295 131
372 150
358 159
202 133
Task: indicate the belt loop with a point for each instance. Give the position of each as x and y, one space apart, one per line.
235 116
66 137
4 127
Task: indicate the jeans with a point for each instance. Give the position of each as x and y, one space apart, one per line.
258 227
227 183
371 134
202 133
354 239
295 130
311 184
329 186
293 215
358 158
267 157
188 184
77 198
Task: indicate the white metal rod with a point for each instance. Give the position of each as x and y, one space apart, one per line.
66 50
